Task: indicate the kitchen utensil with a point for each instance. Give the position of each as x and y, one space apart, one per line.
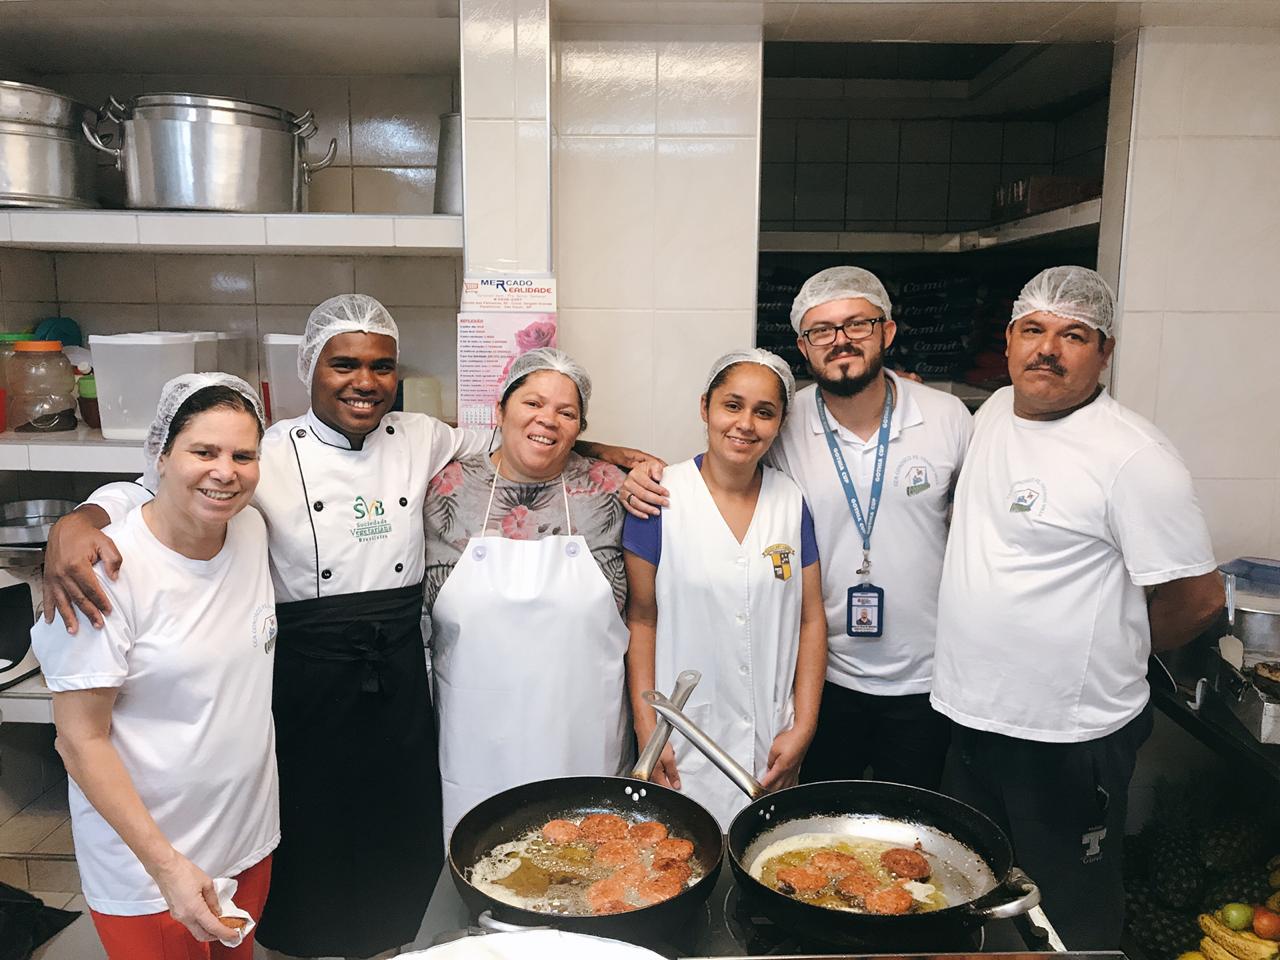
975 858
1253 606
180 151
28 522
648 759
44 162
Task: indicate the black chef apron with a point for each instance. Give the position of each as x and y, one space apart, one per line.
360 819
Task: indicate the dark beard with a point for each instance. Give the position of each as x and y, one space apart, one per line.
852 386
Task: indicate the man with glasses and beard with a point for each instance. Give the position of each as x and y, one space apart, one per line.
876 457
1077 548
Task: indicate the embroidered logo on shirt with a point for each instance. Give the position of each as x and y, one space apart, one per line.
1027 496
264 627
915 474
371 522
780 554
1091 840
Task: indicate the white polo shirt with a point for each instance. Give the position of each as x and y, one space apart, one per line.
928 434
1058 526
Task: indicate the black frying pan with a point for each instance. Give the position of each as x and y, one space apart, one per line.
973 856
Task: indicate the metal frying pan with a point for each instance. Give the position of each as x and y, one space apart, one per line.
973 859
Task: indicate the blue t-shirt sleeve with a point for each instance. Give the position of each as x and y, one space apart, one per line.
808 542
643 537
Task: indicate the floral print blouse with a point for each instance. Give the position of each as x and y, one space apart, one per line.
458 495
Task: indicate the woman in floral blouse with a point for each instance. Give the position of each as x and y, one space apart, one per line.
524 589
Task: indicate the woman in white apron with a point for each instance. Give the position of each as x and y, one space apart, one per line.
725 581
524 586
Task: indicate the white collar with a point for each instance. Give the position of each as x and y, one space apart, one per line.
906 412
331 437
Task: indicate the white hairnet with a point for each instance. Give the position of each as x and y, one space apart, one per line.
172 396
839 283
762 357
549 358
1075 293
345 313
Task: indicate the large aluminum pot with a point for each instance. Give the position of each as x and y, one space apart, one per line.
180 151
1253 606
43 160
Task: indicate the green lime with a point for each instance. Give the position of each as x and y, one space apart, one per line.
1237 916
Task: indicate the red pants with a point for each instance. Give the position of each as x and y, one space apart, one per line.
157 936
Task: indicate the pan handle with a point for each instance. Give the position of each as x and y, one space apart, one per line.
491 924
730 767
685 682
996 905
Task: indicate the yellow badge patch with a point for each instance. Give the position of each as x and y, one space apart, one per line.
780 554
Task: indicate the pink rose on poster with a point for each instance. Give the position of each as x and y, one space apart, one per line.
516 525
447 480
540 333
605 477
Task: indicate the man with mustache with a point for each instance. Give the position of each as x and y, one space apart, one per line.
881 541
1077 548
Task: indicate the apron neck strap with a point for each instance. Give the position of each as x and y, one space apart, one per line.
493 488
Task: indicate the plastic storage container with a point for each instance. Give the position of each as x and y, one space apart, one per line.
235 356
130 369
282 391
41 387
7 340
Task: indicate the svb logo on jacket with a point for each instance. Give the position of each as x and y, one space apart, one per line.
371 521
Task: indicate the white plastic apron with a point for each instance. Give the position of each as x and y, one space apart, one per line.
528 656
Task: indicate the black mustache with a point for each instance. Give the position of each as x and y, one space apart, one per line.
847 351
1047 362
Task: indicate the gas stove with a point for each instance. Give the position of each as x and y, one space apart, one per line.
725 927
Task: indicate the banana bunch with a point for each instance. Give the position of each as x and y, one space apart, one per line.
1222 943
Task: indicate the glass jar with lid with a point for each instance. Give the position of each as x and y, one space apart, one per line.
7 340
41 387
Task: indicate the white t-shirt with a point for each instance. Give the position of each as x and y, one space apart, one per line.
1058 526
190 644
341 520
928 434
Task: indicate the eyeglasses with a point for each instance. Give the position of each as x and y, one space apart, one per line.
855 330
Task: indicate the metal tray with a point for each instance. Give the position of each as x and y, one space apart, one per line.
27 522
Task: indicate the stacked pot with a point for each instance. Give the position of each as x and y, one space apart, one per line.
44 160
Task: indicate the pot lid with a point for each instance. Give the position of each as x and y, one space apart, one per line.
191 100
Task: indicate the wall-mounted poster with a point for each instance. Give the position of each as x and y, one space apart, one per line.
488 343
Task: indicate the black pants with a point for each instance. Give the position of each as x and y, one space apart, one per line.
902 739
1063 806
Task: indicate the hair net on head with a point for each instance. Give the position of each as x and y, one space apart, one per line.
1075 293
549 358
762 357
172 396
839 283
345 313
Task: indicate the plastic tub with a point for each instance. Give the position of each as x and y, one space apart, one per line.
282 391
41 387
130 369
235 356
7 340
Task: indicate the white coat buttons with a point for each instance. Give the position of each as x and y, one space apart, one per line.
300 433
740 619
399 567
479 553
743 671
742 561
404 501
571 549
318 506
391 429
326 574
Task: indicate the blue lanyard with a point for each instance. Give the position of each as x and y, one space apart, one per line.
867 523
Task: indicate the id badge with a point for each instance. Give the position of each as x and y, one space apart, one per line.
866 611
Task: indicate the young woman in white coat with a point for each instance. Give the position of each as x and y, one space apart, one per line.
164 715
726 581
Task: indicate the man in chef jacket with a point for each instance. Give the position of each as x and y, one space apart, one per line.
1077 548
342 494
881 616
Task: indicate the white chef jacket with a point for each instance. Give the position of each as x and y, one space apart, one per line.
190 644
732 612
928 434
1058 526
341 521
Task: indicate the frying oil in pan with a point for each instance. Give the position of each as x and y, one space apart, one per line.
534 873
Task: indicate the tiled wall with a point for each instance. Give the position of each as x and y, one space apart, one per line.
932 175
118 293
387 128
1200 327
656 217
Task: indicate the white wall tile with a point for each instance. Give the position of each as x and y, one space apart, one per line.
112 317
1217 385
106 277
407 190
488 58
408 281
283 319
1240 515
330 191
1162 65
1115 178
20 316
708 87
395 121
1148 224
428 341
1226 88
608 87
302 280
605 222
706 245
617 348
1225 236
1124 66
533 45
491 195
27 275
533 197
686 343
1135 365
197 278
